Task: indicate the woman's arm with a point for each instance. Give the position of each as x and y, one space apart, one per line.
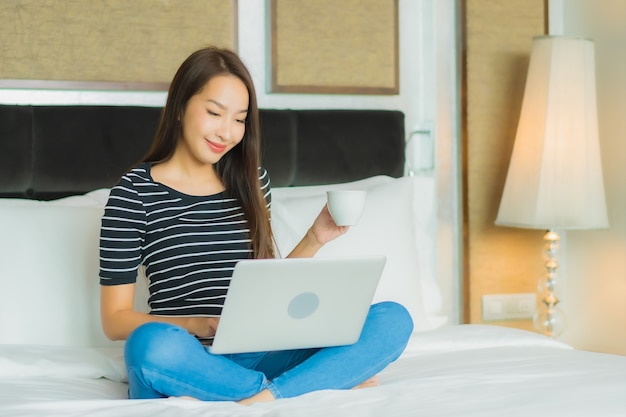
119 318
321 232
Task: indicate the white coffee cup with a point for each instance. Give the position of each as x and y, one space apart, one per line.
346 206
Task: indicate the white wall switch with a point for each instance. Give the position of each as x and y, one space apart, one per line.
508 306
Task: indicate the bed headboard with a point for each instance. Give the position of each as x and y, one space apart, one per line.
48 152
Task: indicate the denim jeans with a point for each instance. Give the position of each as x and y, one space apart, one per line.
165 360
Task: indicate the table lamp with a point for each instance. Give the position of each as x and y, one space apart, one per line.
554 181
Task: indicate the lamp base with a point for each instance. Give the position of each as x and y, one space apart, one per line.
548 318
550 321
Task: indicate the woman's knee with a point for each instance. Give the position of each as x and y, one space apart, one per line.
395 319
156 343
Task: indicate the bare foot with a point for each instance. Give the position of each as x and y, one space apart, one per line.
266 395
372 382
263 396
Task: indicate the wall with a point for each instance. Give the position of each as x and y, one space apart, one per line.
596 260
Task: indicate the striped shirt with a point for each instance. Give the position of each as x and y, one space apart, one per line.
189 245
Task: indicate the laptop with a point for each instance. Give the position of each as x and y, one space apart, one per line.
296 303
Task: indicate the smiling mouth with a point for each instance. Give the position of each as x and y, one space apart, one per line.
216 147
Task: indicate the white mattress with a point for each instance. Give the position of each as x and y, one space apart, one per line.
468 370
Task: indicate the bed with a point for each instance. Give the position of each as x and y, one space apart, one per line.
56 166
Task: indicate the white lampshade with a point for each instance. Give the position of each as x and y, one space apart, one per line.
555 175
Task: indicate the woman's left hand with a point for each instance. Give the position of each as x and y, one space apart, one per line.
321 232
324 228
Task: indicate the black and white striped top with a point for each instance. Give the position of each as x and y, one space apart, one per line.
188 244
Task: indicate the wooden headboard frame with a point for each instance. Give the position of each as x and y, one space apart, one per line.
48 152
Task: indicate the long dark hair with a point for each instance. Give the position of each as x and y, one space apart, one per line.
239 168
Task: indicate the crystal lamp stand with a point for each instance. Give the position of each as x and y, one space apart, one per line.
548 318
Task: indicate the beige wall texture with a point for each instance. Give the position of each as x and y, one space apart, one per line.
329 46
116 40
595 268
499 260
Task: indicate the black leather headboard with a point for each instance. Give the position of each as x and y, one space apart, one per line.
48 152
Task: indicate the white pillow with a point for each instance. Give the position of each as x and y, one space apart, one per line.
49 287
39 361
398 221
49 271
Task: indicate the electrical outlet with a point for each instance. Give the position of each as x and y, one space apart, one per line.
508 306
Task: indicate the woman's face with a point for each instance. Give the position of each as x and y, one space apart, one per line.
214 119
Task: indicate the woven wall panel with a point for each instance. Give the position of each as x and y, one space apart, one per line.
329 46
139 41
498 39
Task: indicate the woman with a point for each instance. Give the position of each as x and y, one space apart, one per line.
195 206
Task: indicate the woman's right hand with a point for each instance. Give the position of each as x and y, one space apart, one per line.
119 319
202 326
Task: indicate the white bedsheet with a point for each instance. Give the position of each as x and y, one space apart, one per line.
469 370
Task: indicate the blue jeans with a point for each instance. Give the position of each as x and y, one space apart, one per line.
165 360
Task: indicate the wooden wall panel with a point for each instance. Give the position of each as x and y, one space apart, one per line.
497 41
138 41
